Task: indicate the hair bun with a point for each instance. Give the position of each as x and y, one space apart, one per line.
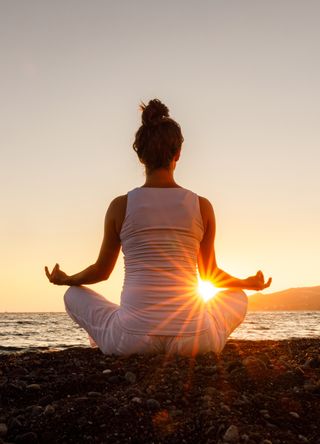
154 112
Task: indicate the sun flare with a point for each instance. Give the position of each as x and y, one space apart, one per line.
206 290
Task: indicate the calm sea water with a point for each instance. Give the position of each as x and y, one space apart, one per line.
34 331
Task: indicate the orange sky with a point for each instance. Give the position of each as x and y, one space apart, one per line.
240 77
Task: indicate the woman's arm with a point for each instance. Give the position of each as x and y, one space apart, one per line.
207 263
109 251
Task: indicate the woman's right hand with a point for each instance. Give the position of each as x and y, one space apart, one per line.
57 276
257 282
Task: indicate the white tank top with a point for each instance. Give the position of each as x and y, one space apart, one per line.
160 238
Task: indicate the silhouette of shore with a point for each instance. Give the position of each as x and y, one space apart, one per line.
303 299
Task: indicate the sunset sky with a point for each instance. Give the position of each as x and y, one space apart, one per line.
242 79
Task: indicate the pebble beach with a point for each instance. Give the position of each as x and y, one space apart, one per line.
254 392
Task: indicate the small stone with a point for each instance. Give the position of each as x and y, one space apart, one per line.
205 414
303 438
27 438
294 415
124 411
33 387
36 410
270 426
232 434
211 432
114 379
112 401
94 394
150 389
15 423
212 391
15 387
136 400
177 412
130 377
131 392
239 402
225 408
48 436
49 410
153 404
210 370
254 365
312 363
82 421
45 400
162 396
3 429
107 371
231 394
309 387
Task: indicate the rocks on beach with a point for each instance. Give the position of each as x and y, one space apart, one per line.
257 392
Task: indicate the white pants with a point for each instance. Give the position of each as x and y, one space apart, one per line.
99 318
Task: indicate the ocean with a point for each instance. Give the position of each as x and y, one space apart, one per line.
42 331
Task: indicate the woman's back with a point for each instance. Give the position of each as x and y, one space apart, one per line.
160 238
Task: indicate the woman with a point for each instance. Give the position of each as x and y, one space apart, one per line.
166 233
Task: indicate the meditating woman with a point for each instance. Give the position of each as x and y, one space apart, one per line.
166 233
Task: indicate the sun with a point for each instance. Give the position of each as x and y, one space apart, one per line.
206 290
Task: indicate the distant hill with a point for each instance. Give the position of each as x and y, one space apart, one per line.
304 298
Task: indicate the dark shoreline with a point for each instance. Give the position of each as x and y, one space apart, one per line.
7 351
255 392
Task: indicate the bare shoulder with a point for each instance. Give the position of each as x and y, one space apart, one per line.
207 212
116 212
204 202
205 206
118 204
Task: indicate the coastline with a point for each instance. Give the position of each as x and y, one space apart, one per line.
254 392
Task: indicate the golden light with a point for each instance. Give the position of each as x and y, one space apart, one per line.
206 290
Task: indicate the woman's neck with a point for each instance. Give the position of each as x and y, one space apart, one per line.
160 178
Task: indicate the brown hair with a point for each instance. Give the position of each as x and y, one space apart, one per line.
159 138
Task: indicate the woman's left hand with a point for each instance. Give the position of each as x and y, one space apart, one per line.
57 276
257 282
